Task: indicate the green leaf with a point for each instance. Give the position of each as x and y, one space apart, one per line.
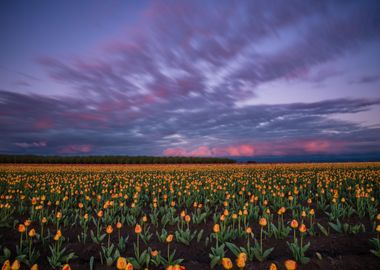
214 261
304 260
234 249
267 252
322 229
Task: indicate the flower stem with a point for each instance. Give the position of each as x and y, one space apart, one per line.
261 240
168 253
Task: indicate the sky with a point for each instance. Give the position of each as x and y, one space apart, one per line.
242 79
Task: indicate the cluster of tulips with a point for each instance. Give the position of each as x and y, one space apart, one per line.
131 213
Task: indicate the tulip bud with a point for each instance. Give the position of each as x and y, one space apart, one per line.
216 228
294 224
263 222
138 229
109 229
169 238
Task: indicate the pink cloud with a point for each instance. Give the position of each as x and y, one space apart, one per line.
322 146
178 151
275 148
201 151
205 151
300 146
43 123
75 148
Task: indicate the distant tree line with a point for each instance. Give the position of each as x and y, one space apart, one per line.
110 159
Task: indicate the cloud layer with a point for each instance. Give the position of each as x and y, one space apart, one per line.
176 81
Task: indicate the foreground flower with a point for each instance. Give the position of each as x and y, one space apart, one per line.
21 228
57 236
290 265
273 266
227 263
242 256
263 222
176 267
138 229
129 266
187 218
121 263
34 267
169 238
240 262
109 229
66 267
6 265
294 224
216 228
302 228
27 222
15 265
32 233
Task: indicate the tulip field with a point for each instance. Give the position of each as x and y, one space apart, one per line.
232 216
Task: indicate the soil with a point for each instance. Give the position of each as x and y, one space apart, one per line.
338 251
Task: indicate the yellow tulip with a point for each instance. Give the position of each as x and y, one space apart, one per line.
227 263
15 265
6 265
121 263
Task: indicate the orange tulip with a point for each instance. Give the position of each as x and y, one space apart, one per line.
21 228
243 256
109 229
241 260
27 222
169 238
32 233
6 265
57 236
290 265
302 228
138 229
187 218
121 263
15 265
272 266
294 224
263 222
66 267
216 228
129 266
227 263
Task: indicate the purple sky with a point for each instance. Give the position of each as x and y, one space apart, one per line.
201 78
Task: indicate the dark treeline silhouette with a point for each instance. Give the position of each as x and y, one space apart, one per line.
110 159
